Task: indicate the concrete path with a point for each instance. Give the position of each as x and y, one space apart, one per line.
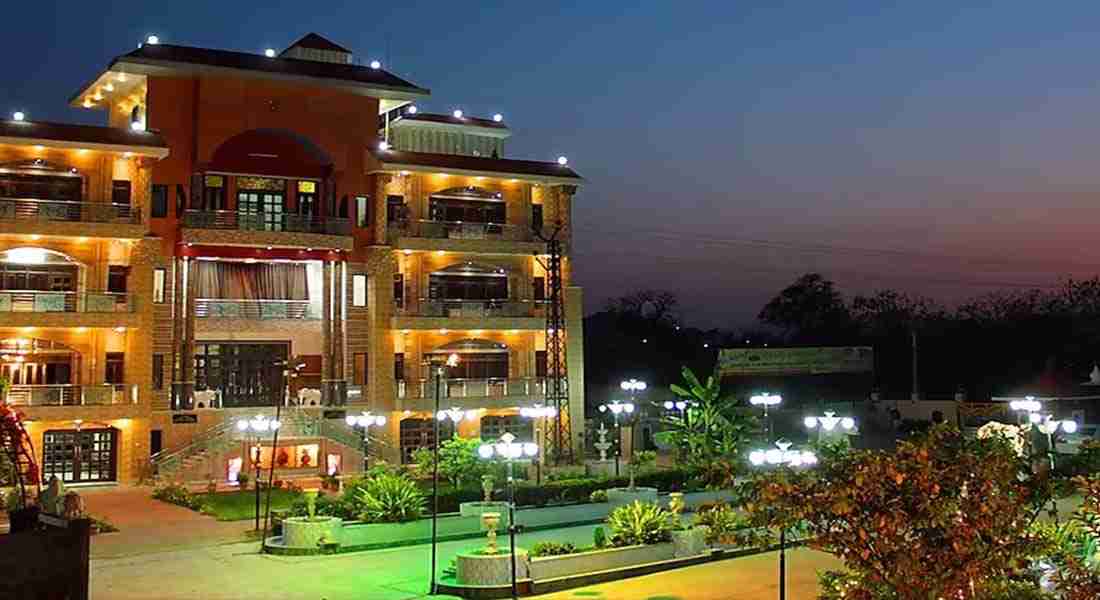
147 525
235 571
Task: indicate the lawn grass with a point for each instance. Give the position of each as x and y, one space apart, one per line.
241 505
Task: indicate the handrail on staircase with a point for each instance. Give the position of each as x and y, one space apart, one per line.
201 439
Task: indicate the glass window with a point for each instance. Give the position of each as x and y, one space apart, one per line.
399 366
213 192
395 209
120 192
158 371
536 217
116 278
114 367
159 204
362 211
358 290
159 275
492 427
399 290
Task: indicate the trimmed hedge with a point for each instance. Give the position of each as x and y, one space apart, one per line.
569 490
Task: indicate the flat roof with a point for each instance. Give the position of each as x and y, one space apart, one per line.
168 59
551 172
450 120
91 137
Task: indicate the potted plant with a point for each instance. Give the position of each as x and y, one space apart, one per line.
632 493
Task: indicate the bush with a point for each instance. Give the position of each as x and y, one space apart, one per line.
723 522
599 538
179 495
327 506
552 549
598 496
242 480
639 523
391 499
103 525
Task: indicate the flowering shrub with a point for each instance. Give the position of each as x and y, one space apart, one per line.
639 523
1014 434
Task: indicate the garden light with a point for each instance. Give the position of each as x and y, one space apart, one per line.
617 407
538 412
365 420
765 400
258 426
456 414
1028 404
633 385
782 455
829 422
510 450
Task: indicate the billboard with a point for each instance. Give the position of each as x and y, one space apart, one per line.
795 361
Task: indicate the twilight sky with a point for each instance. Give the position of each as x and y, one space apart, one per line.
948 148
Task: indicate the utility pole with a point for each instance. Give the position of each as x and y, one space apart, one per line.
914 394
559 436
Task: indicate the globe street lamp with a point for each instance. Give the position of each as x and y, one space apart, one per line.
782 456
541 414
767 401
618 408
365 421
1027 406
255 428
439 366
827 424
510 450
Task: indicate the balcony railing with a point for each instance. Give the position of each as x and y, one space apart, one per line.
459 230
79 302
474 388
227 219
254 309
478 309
31 209
73 394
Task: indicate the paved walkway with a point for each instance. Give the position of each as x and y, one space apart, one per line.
234 571
147 525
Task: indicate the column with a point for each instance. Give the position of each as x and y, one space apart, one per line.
326 332
187 311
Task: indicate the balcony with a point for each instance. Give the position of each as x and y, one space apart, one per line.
255 309
68 218
65 302
104 394
462 236
264 229
472 393
471 314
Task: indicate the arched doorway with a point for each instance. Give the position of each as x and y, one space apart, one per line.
38 280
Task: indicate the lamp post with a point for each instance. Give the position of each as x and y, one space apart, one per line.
767 401
782 456
618 408
680 406
255 428
510 450
439 366
365 421
827 424
1048 426
541 414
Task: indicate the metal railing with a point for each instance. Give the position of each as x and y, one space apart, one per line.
81 302
272 221
73 394
165 462
254 309
458 230
472 308
33 209
475 388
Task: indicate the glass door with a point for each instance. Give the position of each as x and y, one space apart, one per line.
80 456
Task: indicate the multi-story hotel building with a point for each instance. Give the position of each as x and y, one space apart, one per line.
253 230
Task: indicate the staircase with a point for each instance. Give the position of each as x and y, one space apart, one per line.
16 444
296 423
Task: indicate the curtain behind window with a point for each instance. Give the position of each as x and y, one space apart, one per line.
244 281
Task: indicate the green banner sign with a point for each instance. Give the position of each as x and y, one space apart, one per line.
795 361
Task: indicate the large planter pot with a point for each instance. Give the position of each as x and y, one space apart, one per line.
550 567
303 532
617 497
690 542
489 569
23 519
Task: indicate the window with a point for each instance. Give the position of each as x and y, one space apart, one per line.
536 217
181 198
358 290
159 275
362 212
359 368
540 363
159 205
307 198
492 427
114 368
213 194
156 441
158 371
120 192
539 284
395 209
399 366
116 278
399 290
420 433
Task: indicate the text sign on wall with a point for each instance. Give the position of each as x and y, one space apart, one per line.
795 361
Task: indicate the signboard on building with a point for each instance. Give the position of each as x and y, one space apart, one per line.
795 361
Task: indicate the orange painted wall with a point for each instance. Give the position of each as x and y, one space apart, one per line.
197 115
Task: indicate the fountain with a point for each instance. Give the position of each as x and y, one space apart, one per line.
311 531
487 505
489 565
603 445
